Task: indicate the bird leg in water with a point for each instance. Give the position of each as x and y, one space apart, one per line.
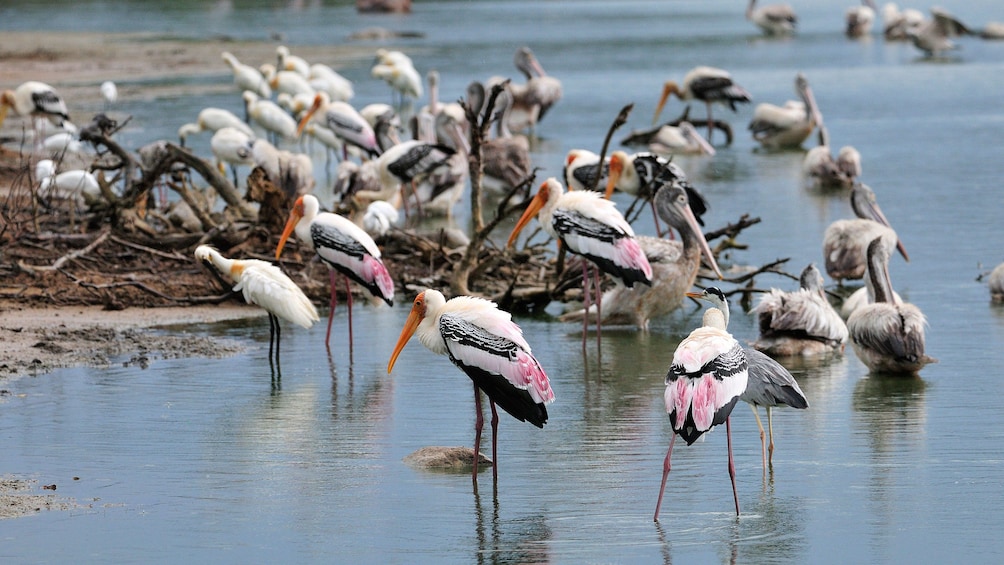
770 428
599 304
585 303
334 302
495 442
348 294
732 463
763 445
479 422
665 475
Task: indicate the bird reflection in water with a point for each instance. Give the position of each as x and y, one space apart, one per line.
519 540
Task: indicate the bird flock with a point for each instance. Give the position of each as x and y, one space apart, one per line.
380 174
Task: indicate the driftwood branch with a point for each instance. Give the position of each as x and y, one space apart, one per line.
69 256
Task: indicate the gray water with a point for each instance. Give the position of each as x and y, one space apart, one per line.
204 459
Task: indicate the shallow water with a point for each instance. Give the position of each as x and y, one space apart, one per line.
209 459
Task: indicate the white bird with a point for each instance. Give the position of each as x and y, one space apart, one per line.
895 23
36 100
232 146
247 77
293 173
213 119
668 140
379 217
581 169
799 323
769 383
397 70
772 19
781 127
79 185
860 19
996 284
821 169
641 175
285 61
344 121
269 115
63 143
887 337
708 375
290 82
707 84
933 36
845 241
488 347
109 92
265 285
323 77
344 247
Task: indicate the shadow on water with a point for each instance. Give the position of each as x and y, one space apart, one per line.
516 541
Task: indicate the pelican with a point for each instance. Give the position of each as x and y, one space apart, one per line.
887 337
247 77
801 322
213 119
996 284
397 70
232 146
782 127
668 140
845 241
536 96
37 100
265 285
505 158
269 115
344 121
581 168
707 84
708 375
674 267
859 298
824 171
344 247
860 19
769 384
772 19
933 36
488 347
896 22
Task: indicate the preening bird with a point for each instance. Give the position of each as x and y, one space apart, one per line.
996 284
887 337
707 84
896 23
344 247
823 171
801 322
642 174
769 383
232 146
780 127
772 19
488 347
265 285
845 241
708 375
397 70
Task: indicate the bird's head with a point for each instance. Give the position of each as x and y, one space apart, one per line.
295 215
318 102
618 161
533 208
668 90
418 312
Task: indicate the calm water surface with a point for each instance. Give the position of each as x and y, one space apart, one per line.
204 459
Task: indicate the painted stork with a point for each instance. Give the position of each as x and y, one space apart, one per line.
581 168
887 337
488 347
846 241
708 375
707 84
265 285
37 100
344 247
641 175
799 323
344 121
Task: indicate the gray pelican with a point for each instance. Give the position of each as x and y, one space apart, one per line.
824 171
674 267
769 383
533 99
707 84
397 70
933 37
845 241
859 298
772 19
505 158
708 375
668 140
996 283
801 322
896 22
860 19
779 127
887 337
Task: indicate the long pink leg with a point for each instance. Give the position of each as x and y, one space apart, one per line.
585 302
665 475
732 464
334 302
479 423
495 440
348 292
599 303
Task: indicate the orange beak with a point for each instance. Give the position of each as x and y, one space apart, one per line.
410 326
310 113
531 212
294 218
616 169
667 89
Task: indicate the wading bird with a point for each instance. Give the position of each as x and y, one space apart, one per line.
769 383
265 285
933 36
488 347
213 119
887 337
247 77
823 171
845 242
860 19
37 100
772 19
996 284
801 322
641 174
342 246
707 84
781 127
344 121
708 375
